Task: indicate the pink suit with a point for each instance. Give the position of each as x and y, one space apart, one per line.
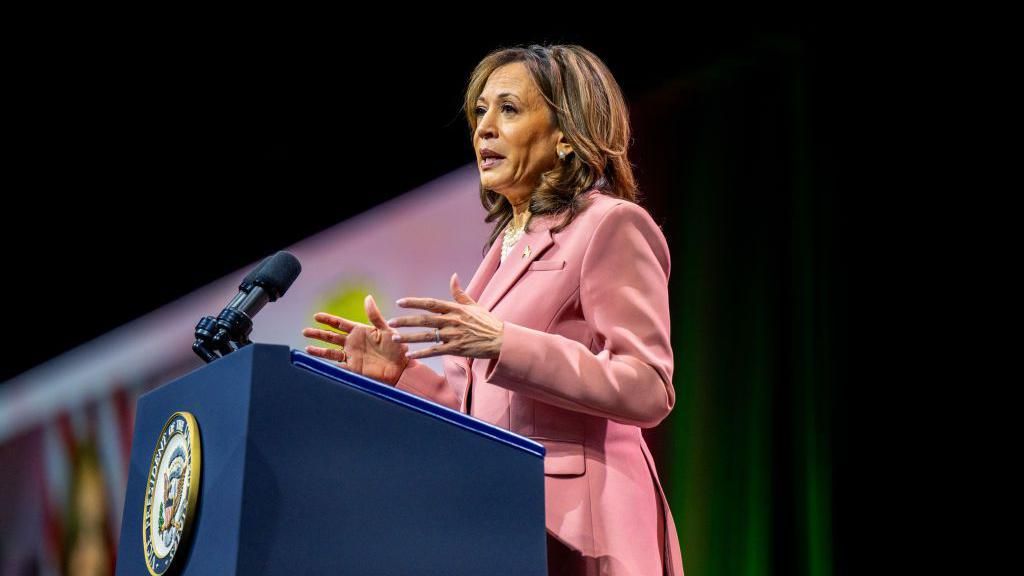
585 363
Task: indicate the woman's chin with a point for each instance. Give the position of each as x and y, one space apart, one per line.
489 183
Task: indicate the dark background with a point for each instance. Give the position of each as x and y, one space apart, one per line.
145 167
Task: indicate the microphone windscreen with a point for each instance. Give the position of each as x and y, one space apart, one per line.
277 273
250 278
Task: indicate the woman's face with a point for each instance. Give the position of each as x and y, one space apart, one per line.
515 135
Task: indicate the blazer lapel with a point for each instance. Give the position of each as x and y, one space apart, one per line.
485 271
482 276
537 240
494 278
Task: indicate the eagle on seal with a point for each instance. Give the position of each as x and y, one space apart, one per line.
174 482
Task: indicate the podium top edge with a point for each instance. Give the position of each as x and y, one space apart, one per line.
370 386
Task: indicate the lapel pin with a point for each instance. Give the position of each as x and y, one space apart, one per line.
526 252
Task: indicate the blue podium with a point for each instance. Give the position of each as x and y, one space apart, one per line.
310 469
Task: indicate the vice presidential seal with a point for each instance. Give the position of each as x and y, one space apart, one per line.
172 489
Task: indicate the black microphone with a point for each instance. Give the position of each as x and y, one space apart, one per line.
229 331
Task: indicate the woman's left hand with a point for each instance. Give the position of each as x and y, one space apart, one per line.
465 327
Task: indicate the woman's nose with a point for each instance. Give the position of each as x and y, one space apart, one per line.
485 128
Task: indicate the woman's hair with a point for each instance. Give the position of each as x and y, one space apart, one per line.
586 104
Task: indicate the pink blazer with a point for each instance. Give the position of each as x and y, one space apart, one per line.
585 363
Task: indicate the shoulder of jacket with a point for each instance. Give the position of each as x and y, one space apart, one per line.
603 206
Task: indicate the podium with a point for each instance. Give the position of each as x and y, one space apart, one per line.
306 468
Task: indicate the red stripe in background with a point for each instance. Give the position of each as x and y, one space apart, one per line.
124 414
92 413
67 436
124 407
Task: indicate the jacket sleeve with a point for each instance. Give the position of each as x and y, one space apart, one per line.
421 380
624 298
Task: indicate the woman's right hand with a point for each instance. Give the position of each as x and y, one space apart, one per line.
368 349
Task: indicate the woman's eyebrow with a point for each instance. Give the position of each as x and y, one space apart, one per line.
509 95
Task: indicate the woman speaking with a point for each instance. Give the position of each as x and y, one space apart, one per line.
562 335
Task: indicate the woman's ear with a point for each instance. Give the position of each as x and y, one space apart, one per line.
563 148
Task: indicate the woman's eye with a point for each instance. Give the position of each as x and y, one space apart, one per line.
480 110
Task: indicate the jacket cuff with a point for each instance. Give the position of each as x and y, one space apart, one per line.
418 379
517 356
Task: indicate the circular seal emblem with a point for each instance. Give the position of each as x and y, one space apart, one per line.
172 490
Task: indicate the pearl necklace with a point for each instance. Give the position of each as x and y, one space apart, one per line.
512 236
